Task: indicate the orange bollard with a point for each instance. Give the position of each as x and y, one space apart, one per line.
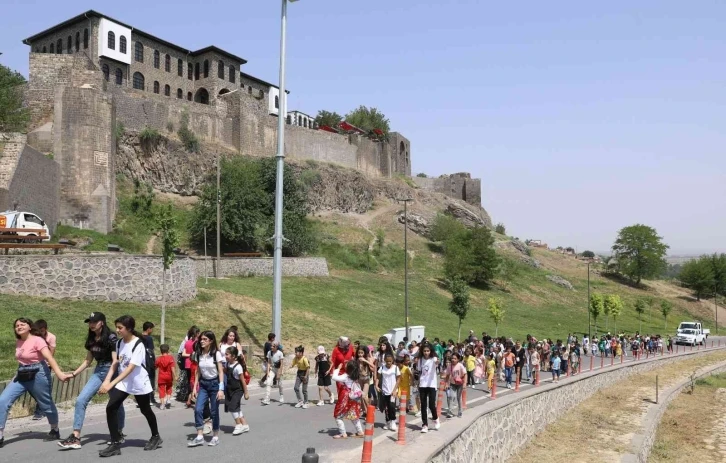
494 389
698 347
691 347
579 367
536 377
368 435
602 362
591 363
647 354
440 403
463 398
402 422
612 360
711 343
621 358
516 383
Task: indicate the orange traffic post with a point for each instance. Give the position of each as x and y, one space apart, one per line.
536 377
591 363
711 343
602 362
463 398
440 403
516 383
494 388
621 358
698 346
402 422
368 435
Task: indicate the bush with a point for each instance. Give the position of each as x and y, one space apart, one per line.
422 175
500 228
169 126
149 138
187 137
119 131
143 199
310 177
445 227
471 257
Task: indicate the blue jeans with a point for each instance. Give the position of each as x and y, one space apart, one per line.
39 387
89 390
508 375
208 389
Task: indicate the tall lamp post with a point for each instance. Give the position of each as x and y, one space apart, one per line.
277 260
589 324
405 260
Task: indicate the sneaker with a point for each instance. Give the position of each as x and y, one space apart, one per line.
120 441
459 415
305 405
321 403
168 406
299 405
241 428
437 425
282 400
54 434
214 442
71 442
37 417
393 426
207 429
418 414
196 442
111 450
154 443
266 402
2 442
424 429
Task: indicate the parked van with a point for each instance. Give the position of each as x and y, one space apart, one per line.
18 219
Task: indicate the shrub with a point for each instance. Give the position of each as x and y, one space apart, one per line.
119 131
310 177
422 175
149 138
169 126
500 228
189 140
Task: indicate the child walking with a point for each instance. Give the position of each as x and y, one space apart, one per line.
470 363
236 389
491 371
390 379
301 377
480 369
556 363
322 365
404 387
456 377
534 362
348 407
167 376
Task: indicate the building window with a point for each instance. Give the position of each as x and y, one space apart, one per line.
202 96
139 52
85 39
59 47
122 44
167 63
232 73
179 93
52 48
180 68
220 69
189 96
289 119
45 50
78 41
299 121
249 90
305 123
206 68
156 86
69 44
167 90
190 71
105 72
196 72
277 102
111 40
138 81
119 76
157 59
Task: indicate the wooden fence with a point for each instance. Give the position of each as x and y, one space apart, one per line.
62 392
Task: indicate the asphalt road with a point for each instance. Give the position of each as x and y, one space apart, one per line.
279 432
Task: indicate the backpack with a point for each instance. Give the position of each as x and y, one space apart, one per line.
133 349
355 392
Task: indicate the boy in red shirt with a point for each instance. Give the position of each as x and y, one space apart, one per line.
166 376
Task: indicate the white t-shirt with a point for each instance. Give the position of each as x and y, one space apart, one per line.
137 382
428 372
272 359
207 367
223 349
237 371
388 381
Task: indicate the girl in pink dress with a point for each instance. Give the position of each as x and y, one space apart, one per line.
346 407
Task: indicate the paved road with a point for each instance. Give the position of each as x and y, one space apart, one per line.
279 432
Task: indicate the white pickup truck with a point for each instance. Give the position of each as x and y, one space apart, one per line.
691 333
18 220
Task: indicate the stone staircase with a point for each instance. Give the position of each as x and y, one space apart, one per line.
12 145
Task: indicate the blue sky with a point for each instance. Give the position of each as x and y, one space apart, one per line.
579 117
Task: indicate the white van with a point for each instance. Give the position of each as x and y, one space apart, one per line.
16 219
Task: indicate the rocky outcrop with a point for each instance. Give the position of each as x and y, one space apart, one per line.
466 216
559 281
416 224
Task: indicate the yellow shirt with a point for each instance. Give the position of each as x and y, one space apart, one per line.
470 362
406 380
302 363
491 366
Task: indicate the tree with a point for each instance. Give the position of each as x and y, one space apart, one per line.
649 301
640 310
470 255
501 229
588 254
718 262
616 308
248 208
13 116
698 275
640 252
331 119
665 309
607 309
368 119
496 313
422 175
459 304
166 226
596 307
445 227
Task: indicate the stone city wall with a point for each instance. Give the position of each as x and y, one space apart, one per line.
498 434
262 266
459 186
106 277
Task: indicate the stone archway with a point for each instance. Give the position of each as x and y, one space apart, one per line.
201 96
223 91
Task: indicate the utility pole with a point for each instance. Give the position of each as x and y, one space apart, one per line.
715 305
218 267
589 324
206 275
405 262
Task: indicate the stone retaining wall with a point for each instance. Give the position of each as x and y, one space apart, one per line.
103 277
498 434
643 442
262 266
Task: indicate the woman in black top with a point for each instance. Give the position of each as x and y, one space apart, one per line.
101 347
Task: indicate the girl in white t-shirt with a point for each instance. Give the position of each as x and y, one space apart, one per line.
208 387
427 385
235 389
132 379
390 376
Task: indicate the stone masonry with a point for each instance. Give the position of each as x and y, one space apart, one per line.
291 267
109 277
459 186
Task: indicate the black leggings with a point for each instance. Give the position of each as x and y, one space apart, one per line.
428 398
115 400
387 405
470 377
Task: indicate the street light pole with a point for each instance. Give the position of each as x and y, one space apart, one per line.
218 267
277 257
589 324
405 262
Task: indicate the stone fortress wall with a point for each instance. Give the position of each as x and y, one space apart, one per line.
459 186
